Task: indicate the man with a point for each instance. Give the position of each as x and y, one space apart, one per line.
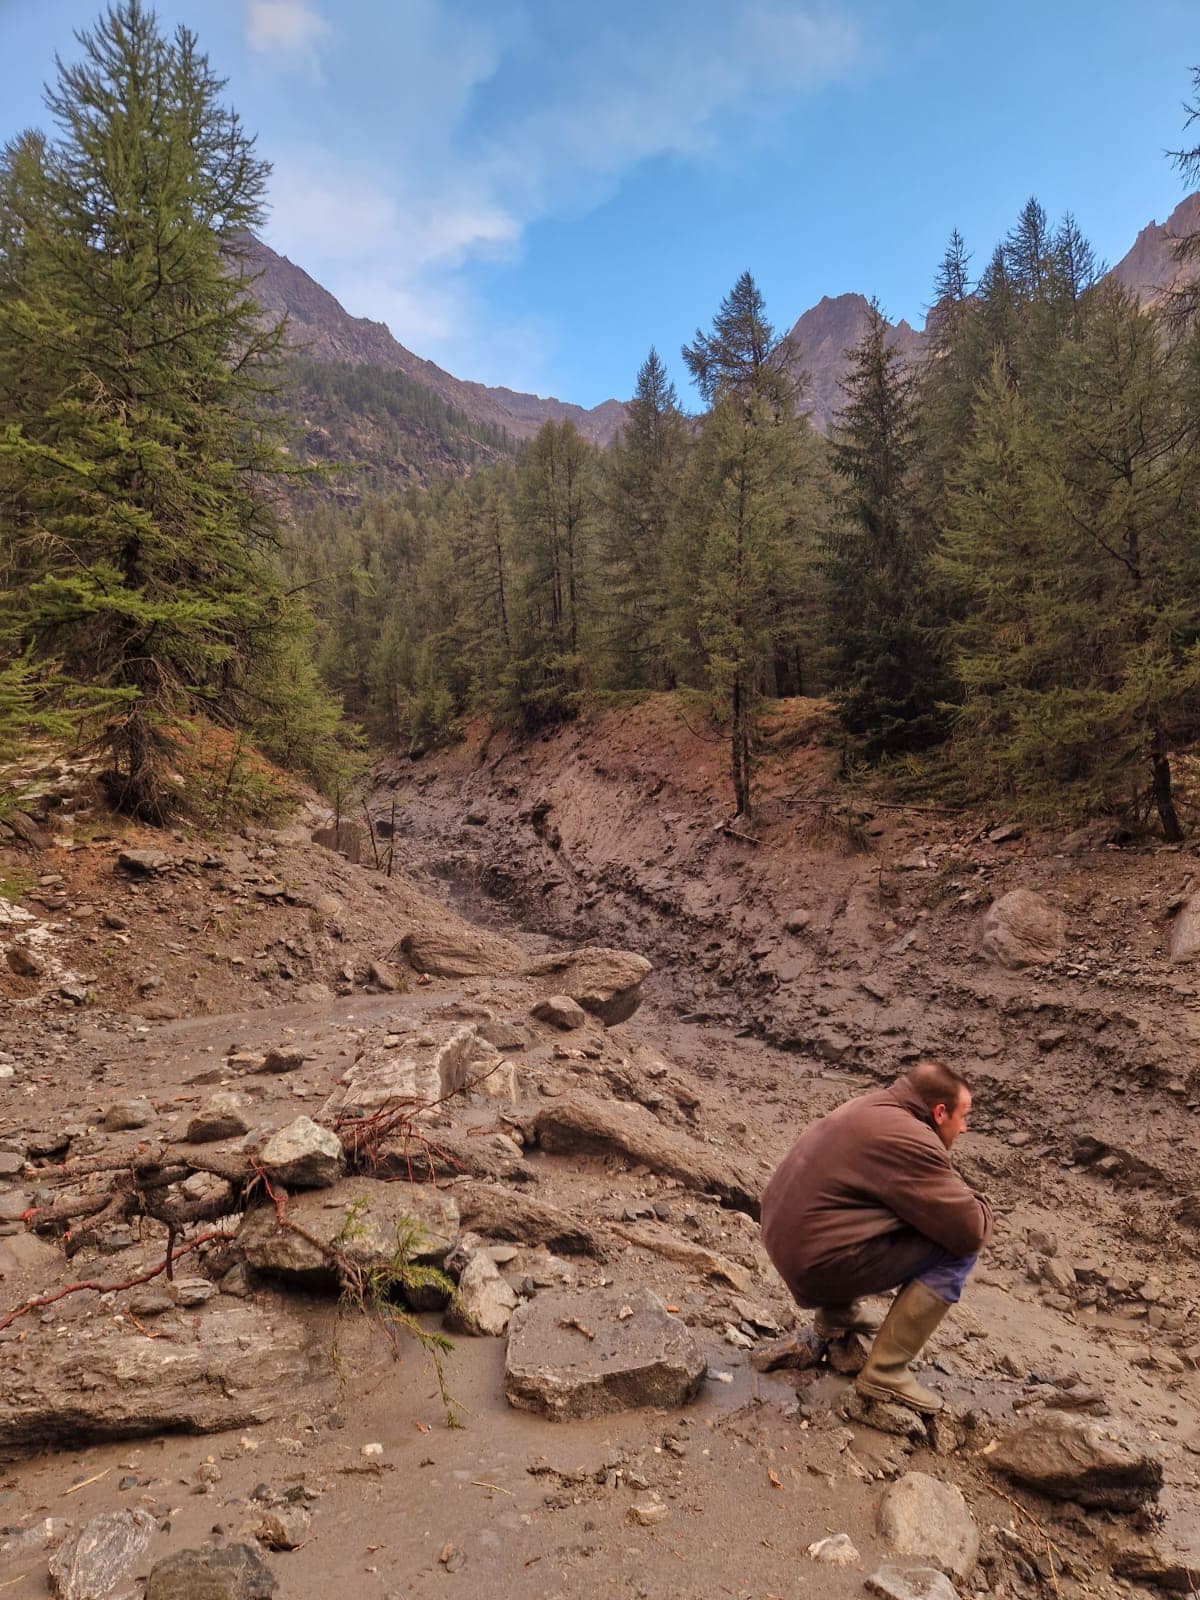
867 1199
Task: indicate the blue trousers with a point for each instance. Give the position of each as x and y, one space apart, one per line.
945 1275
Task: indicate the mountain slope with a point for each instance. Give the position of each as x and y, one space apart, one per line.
328 333
819 341
1149 269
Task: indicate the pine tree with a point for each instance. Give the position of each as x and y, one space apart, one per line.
885 672
1073 548
552 543
639 503
735 555
134 367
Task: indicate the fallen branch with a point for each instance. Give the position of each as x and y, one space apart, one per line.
40 1302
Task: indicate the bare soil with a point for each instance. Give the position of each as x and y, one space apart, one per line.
614 832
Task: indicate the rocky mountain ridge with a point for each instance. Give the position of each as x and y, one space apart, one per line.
363 398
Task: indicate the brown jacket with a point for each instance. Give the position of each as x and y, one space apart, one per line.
875 1167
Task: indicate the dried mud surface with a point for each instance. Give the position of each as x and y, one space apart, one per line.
611 832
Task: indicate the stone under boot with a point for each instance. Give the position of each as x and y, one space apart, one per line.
851 1316
912 1318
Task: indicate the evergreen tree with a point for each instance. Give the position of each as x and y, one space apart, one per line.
639 502
885 672
738 539
1072 546
133 371
552 538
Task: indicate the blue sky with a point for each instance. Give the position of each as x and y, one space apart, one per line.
532 192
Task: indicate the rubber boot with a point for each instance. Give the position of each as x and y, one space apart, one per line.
912 1318
851 1316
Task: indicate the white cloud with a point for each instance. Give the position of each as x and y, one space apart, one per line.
472 128
284 26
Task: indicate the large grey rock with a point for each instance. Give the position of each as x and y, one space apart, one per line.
366 1220
413 1077
607 983
91 1562
1081 1461
485 1300
910 1583
458 950
303 1155
1022 929
1184 943
234 1572
500 1213
223 1117
142 863
921 1516
581 1124
229 1366
646 1358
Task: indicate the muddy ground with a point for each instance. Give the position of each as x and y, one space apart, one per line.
172 983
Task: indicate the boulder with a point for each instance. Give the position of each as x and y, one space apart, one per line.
303 1155
606 983
560 1011
366 1220
453 1060
224 1117
229 1366
919 1515
500 1213
91 1562
1184 943
485 1301
581 1124
125 1115
284 1529
455 949
142 863
279 1061
231 1572
1081 1461
910 1583
1022 929
454 1153
572 1353
344 838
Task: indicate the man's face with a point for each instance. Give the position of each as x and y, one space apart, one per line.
950 1123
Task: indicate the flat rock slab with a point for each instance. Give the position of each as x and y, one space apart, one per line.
455 949
921 1516
581 1124
234 1572
581 1353
500 1213
911 1583
607 983
365 1219
90 1563
1080 1461
226 1367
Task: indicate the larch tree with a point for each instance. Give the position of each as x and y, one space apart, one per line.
885 672
738 541
134 367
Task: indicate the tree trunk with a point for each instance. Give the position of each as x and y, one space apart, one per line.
1164 802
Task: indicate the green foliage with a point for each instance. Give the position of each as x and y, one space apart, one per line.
135 373
885 670
380 1293
1071 548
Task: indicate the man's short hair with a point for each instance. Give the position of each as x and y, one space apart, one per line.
938 1085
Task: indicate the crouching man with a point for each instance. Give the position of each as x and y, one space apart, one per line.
867 1200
